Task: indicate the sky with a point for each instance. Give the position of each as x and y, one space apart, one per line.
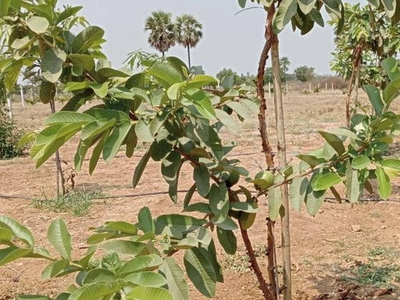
230 40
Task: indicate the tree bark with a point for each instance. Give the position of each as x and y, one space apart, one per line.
188 51
281 141
60 182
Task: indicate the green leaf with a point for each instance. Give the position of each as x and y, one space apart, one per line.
274 203
95 290
21 43
334 141
165 74
115 140
139 263
109 73
101 90
18 230
240 109
324 182
170 169
60 238
285 12
97 151
202 103
201 177
68 117
160 149
76 86
95 128
391 91
297 192
306 6
12 253
52 64
124 247
353 186
143 131
4 8
227 120
391 167
310 159
228 240
85 60
32 297
99 275
243 206
316 16
149 279
199 81
360 162
176 282
314 200
225 222
200 271
199 207
391 67
140 168
55 268
177 225
47 92
374 96
38 25
137 80
13 71
384 186
149 293
390 7
219 199
145 220
121 227
86 39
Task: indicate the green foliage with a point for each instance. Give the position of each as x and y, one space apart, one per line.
77 202
229 78
374 35
304 73
9 137
284 64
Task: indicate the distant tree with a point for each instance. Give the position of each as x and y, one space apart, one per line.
284 66
162 30
228 72
197 70
304 73
189 32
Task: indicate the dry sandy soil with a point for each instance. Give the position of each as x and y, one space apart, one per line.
342 248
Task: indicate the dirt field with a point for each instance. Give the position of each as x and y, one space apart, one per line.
354 249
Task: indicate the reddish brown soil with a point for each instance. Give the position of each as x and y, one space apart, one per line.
327 250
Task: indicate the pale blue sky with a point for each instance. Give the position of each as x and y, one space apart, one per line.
231 41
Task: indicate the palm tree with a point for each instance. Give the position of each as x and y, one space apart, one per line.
189 32
162 31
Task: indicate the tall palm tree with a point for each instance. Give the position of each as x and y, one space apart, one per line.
189 32
162 31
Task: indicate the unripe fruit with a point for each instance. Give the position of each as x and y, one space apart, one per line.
264 180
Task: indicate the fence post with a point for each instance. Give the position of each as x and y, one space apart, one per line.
326 86
9 104
22 96
269 89
332 86
309 87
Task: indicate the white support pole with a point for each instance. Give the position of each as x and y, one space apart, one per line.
309 87
9 104
332 86
269 89
287 88
326 86
22 96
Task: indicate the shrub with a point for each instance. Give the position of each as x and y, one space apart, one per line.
9 136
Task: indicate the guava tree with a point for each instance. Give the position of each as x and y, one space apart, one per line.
41 41
367 37
168 110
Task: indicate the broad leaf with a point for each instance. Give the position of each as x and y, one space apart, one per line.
324 182
374 96
54 269
140 168
201 177
314 200
18 230
360 162
306 6
149 279
38 25
124 247
334 141
297 192
115 140
95 291
60 238
384 186
176 282
52 64
145 220
148 293
274 203
86 39
177 225
228 240
200 271
285 12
